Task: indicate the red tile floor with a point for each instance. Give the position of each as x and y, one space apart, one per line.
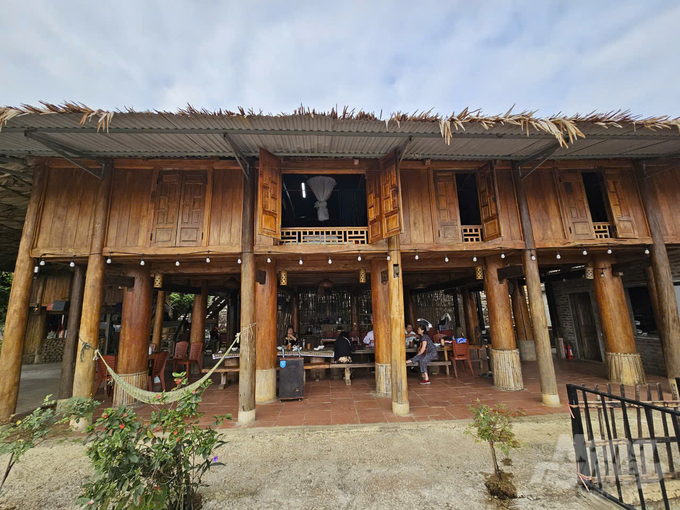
330 401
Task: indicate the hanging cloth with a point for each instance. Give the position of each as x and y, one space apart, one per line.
322 186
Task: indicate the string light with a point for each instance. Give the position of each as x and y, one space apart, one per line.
359 257
207 258
558 256
141 262
300 260
446 258
329 260
533 256
417 257
646 250
108 260
601 273
474 258
388 257
239 260
585 252
503 255
269 260
609 250
177 261
36 270
72 264
42 262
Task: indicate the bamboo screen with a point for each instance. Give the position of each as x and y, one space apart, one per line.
432 305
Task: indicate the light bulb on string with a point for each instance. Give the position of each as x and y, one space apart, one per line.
72 264
417 257
446 258
359 257
601 273
177 261
533 256
585 252
36 270
558 256
329 260
388 257
141 262
42 262
646 250
503 255
609 250
474 258
300 260
207 258
108 260
238 260
269 260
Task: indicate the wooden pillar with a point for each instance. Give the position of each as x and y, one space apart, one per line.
75 308
380 302
395 287
654 298
295 312
83 379
17 307
539 321
246 382
457 323
411 308
507 371
231 318
623 361
35 334
669 327
525 335
158 320
265 301
133 349
198 313
470 313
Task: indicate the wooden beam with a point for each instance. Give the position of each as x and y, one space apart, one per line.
452 284
119 281
182 289
510 272
622 267
240 158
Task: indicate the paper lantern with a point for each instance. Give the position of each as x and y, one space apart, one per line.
479 272
283 278
362 275
590 273
158 281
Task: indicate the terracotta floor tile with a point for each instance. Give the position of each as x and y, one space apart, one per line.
293 420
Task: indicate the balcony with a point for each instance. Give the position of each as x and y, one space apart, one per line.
472 233
602 230
337 235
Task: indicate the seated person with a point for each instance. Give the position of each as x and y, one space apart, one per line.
291 338
427 352
410 335
369 340
343 348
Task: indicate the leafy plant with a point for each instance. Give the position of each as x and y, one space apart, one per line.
151 464
494 426
22 435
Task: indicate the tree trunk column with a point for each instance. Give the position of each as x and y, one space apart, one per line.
669 327
395 287
135 325
246 382
470 313
265 301
83 379
623 361
507 371
158 320
198 313
17 308
380 301
75 308
525 336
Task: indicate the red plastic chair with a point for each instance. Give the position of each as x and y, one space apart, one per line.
195 356
103 374
158 370
181 349
461 352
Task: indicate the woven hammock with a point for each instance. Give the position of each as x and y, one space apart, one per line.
151 397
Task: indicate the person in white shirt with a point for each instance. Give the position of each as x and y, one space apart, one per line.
410 334
369 341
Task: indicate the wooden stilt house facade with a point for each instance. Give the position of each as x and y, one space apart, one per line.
206 202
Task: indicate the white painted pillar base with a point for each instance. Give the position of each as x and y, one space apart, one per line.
383 379
401 409
507 370
246 417
625 368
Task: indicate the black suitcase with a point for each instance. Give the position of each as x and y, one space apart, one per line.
291 378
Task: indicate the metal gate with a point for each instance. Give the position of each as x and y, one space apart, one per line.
626 445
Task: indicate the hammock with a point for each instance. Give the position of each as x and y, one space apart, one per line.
151 397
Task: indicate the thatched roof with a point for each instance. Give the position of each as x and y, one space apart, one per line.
565 128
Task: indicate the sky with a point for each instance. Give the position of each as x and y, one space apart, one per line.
550 56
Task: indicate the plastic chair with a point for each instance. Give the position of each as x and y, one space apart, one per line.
158 370
181 349
103 374
461 352
195 356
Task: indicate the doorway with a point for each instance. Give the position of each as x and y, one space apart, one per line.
584 326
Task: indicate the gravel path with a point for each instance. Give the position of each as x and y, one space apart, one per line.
419 465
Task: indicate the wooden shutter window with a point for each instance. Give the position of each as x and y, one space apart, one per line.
390 195
446 196
192 209
575 205
488 203
164 232
619 205
269 195
373 207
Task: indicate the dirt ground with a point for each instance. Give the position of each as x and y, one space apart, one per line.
419 465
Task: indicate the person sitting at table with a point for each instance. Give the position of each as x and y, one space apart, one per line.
369 341
291 338
426 353
410 335
343 348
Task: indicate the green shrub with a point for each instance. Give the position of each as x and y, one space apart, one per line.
156 463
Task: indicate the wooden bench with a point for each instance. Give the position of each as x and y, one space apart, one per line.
223 371
348 369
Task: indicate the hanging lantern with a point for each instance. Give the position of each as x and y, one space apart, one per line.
283 278
158 281
479 272
590 273
362 275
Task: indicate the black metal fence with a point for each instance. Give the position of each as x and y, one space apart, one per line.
627 449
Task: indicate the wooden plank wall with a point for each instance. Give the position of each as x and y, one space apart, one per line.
545 206
667 186
131 209
67 212
226 209
50 288
420 226
511 228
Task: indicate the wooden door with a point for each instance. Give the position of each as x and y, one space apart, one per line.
390 195
164 232
192 209
584 325
575 205
269 195
488 203
619 205
373 207
446 199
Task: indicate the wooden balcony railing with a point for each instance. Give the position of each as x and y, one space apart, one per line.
472 233
337 235
602 230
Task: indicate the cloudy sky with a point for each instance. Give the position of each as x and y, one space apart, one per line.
574 56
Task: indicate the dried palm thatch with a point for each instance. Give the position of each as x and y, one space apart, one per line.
564 128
